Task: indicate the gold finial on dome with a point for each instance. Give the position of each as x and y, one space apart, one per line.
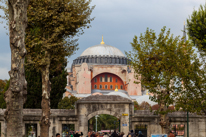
102 40
116 89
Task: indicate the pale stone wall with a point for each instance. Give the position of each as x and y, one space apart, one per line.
84 80
132 88
86 109
80 78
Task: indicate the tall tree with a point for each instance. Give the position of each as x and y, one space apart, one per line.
15 96
154 59
193 96
196 25
193 74
51 25
58 83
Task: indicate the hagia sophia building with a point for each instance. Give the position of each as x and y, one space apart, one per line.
103 69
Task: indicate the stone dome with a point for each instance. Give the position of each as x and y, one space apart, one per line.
101 54
102 50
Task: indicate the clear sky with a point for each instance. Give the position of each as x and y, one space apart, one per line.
118 21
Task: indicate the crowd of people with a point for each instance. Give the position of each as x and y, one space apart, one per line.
101 134
72 134
113 134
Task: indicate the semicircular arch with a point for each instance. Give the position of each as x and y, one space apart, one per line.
112 113
117 73
107 81
108 73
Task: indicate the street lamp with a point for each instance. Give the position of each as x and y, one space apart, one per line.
114 125
96 121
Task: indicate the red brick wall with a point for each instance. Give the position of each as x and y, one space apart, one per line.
119 82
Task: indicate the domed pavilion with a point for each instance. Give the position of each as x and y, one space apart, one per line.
101 69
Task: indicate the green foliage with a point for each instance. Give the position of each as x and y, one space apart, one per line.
7 85
2 101
2 84
196 25
67 103
34 85
136 105
58 77
104 122
193 97
51 27
155 60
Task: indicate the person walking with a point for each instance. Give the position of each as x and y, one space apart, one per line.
140 134
171 134
114 134
132 134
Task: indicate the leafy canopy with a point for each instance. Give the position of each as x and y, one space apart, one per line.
52 25
155 59
67 103
196 25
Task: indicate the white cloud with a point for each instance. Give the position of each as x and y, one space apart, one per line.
4 73
5 62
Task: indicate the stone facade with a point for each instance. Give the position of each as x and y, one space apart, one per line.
91 106
87 108
82 74
98 60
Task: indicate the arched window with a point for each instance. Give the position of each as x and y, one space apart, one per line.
100 86
95 80
110 79
111 87
105 78
105 86
100 79
116 80
95 86
121 86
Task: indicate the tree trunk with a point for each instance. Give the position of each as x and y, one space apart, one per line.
15 96
164 120
165 124
45 104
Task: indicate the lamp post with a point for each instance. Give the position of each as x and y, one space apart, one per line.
187 124
96 121
114 125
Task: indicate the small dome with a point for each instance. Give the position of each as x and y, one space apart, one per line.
102 49
119 94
